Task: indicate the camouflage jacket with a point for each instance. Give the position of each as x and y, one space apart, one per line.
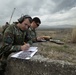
13 38
32 33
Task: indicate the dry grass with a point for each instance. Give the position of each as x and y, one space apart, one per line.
66 52
74 35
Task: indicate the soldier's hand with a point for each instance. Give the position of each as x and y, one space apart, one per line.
40 38
25 47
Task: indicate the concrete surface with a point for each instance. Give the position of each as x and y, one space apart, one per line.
38 65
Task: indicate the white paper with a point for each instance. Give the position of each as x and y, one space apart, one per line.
25 54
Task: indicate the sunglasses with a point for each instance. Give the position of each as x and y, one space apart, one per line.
37 24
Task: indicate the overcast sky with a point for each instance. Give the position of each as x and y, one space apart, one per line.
51 12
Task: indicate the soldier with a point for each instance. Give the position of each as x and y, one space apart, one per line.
32 29
13 40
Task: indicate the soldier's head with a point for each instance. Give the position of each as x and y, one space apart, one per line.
24 22
35 22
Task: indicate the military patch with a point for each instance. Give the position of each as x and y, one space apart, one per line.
8 40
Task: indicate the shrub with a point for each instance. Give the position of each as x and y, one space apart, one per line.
74 35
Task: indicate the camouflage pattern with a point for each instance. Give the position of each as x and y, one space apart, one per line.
13 38
32 33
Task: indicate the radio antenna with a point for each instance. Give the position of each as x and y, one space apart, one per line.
12 15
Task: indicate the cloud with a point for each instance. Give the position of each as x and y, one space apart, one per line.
51 12
60 18
64 5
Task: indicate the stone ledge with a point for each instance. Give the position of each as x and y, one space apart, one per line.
38 65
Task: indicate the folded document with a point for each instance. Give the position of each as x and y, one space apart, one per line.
26 54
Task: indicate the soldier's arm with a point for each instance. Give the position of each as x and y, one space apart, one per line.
28 38
34 38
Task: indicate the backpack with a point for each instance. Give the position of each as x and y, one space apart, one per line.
5 27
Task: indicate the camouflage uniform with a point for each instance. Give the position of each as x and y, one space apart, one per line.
13 38
32 33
